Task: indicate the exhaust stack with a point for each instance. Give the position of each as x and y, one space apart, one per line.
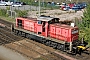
72 24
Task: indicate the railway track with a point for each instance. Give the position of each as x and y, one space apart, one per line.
6 23
9 40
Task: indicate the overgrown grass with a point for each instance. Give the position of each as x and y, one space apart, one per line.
8 19
60 1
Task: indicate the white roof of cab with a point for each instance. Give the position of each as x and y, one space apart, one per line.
45 18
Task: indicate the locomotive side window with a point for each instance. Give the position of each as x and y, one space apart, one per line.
19 22
39 22
50 22
55 20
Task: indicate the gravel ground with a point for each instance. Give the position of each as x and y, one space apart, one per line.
63 15
7 54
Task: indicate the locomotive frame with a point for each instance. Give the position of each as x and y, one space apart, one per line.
72 47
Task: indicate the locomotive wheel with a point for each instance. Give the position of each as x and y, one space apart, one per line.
43 41
54 45
74 51
80 51
62 47
58 47
16 32
20 33
23 34
48 43
27 36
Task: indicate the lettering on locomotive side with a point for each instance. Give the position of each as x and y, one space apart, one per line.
75 31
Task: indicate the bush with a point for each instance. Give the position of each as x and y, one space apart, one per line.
3 12
21 13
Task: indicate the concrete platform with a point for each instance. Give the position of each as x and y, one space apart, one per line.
7 54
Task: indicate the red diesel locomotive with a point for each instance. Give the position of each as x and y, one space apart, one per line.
49 31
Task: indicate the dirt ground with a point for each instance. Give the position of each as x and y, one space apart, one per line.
62 15
7 54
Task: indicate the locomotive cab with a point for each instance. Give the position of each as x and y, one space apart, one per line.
43 24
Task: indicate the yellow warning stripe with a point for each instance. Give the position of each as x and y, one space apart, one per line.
82 47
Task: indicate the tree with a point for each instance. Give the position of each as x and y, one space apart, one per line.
3 12
85 25
86 18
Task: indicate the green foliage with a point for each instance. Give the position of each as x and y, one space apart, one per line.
60 1
21 13
8 8
86 18
85 25
27 1
3 12
84 33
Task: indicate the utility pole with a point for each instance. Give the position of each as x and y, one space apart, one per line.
11 11
39 8
43 3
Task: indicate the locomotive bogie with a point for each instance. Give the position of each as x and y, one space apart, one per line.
46 41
